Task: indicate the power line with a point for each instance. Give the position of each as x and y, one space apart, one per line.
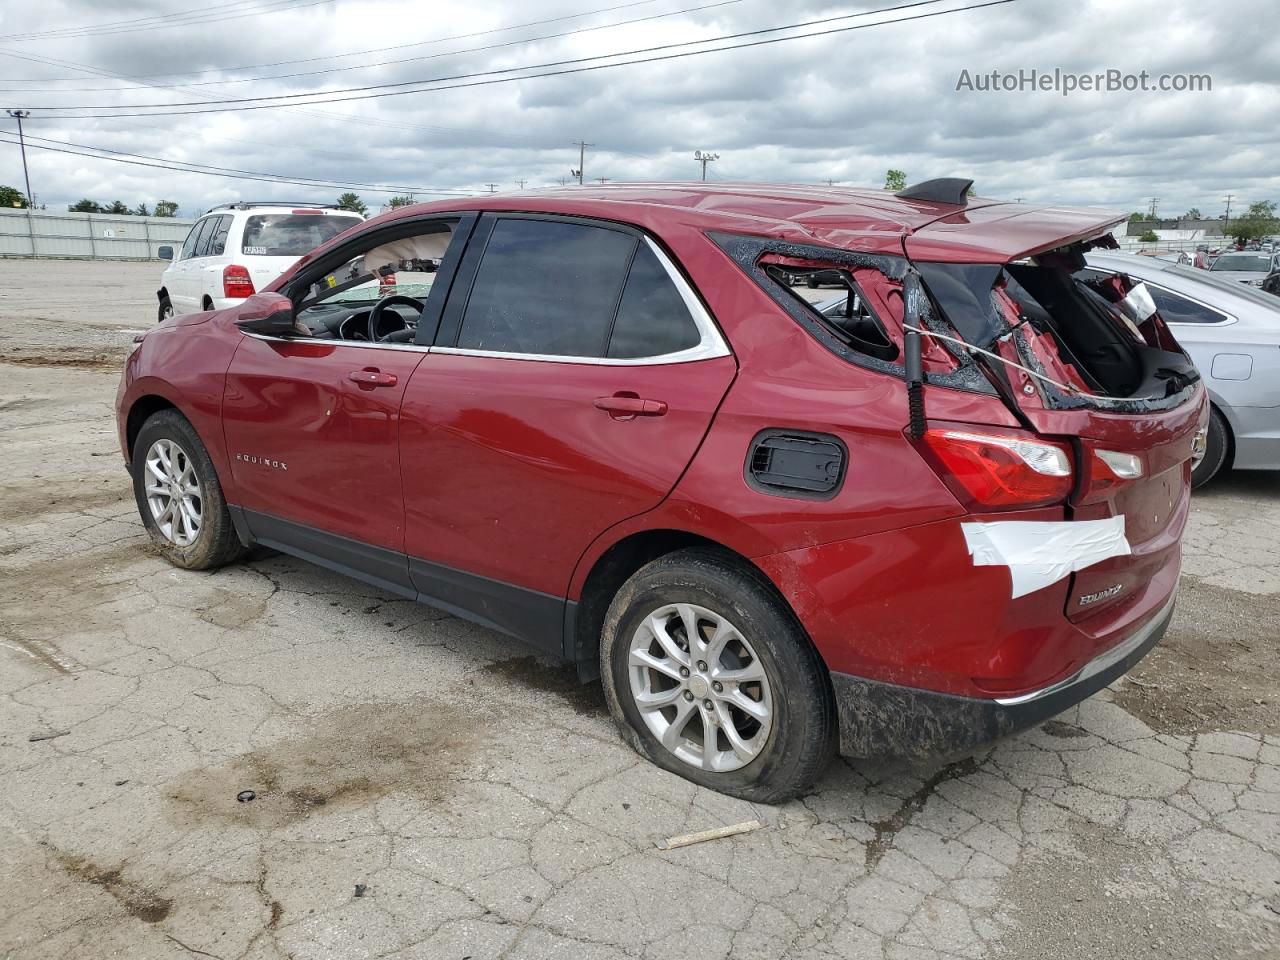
261 178
166 21
360 53
397 89
387 63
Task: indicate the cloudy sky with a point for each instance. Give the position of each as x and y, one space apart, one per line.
844 106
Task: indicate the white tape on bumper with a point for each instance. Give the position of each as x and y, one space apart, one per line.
1040 553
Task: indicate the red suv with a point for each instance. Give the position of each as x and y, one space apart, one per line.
943 506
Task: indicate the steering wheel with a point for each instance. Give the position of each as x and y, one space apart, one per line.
375 315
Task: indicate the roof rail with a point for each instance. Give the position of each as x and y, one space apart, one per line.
246 204
943 190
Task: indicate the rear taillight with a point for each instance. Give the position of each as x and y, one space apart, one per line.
1001 471
236 281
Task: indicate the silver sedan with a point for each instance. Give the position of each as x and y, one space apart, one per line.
1232 332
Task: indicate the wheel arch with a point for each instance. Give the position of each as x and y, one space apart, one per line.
1223 410
140 411
616 564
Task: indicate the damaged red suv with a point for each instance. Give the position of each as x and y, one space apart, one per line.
939 508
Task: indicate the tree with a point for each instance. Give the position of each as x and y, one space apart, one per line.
1137 217
118 206
1192 214
85 206
395 202
1149 236
142 211
12 197
895 180
1258 222
349 201
165 208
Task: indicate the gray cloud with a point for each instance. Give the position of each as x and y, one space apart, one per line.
843 107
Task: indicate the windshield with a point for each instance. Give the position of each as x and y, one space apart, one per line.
292 234
1242 261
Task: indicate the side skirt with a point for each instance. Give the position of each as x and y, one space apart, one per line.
539 619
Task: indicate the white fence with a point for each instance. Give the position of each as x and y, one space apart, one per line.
87 236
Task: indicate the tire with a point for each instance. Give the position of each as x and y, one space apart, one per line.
213 541
784 757
166 310
811 282
1217 445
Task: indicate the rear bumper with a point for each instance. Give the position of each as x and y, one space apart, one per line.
885 720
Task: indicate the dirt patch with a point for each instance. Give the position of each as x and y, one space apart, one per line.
558 679
231 611
1218 667
147 905
348 759
35 496
68 358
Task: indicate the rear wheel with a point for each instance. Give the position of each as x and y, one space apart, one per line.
179 497
708 675
1217 444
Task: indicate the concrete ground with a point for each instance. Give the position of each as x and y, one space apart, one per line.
426 789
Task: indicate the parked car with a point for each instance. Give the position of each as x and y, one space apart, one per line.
237 248
609 426
1232 332
1271 284
1244 267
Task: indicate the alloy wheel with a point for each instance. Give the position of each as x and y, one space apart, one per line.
700 687
173 492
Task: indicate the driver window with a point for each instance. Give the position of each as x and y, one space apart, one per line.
378 294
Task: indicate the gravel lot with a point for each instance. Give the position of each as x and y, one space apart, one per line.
483 799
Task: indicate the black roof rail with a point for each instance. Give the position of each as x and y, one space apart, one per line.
246 204
943 190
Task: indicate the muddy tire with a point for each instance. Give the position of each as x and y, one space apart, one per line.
708 675
179 497
1217 446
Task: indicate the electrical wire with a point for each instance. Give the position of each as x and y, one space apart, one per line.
376 91
167 21
431 56
243 175
360 53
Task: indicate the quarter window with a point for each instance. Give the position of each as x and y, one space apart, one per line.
652 318
217 241
1176 309
547 287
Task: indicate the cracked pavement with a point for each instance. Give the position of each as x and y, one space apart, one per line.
483 798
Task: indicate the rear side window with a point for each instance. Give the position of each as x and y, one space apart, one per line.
652 318
291 234
547 287
217 238
1176 309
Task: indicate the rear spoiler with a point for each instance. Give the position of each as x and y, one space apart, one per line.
1002 232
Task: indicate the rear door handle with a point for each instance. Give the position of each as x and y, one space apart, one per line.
372 378
628 406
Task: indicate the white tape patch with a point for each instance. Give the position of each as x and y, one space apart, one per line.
1039 553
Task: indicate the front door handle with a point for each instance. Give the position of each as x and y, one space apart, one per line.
372 378
627 405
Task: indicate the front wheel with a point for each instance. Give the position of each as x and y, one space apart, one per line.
179 497
708 675
166 309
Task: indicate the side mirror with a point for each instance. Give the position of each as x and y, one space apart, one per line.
165 252
268 314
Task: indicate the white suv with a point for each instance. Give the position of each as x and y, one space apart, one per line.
238 248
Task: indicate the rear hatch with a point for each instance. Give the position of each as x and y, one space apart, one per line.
272 241
1089 364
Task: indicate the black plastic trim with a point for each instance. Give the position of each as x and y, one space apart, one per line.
942 190
539 619
883 720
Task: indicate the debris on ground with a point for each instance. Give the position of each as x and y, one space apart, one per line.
702 836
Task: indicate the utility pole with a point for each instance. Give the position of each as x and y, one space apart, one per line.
493 187
564 181
603 179
1155 202
1226 219
704 157
21 115
830 182
521 183
582 159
